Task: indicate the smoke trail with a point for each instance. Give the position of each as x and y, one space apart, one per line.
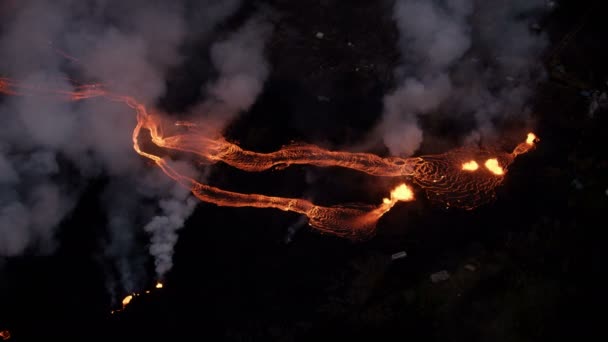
50 150
242 70
175 205
174 211
242 67
463 59
29 212
124 212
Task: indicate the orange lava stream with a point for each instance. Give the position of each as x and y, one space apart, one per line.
350 222
218 149
452 178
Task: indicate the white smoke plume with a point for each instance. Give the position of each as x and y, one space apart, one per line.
50 150
123 210
174 211
176 204
242 69
461 58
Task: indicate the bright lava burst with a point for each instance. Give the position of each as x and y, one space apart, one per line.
453 178
494 167
470 166
400 193
129 298
531 139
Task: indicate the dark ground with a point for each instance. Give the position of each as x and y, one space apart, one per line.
537 250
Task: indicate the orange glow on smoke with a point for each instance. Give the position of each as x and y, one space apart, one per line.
6 87
5 335
470 166
494 167
439 175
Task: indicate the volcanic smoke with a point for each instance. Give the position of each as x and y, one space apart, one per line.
454 178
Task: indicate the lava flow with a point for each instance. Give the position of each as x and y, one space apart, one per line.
454 178
465 178
129 298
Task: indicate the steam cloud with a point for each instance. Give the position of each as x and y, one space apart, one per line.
175 209
465 58
461 58
242 67
50 150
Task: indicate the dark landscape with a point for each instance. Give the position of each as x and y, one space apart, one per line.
524 267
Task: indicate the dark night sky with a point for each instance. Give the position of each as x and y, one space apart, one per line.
537 249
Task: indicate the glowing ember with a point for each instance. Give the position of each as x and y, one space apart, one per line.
470 166
526 146
127 300
494 167
402 193
531 138
440 176
5 335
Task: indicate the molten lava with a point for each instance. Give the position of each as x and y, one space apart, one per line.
402 193
531 139
494 167
522 148
446 178
127 300
470 166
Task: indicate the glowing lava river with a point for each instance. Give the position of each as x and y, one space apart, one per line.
462 178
